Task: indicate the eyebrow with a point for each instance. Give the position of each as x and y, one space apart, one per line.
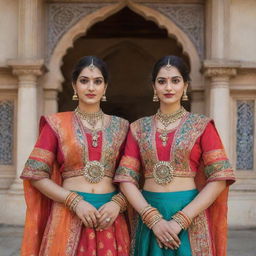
171 77
101 77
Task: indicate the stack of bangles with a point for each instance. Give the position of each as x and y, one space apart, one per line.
72 201
121 201
182 219
150 216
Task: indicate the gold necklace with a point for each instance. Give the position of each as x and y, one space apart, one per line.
166 120
92 119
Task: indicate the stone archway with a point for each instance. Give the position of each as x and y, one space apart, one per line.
54 78
129 54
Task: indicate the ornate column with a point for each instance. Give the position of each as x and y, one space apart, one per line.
27 122
27 67
217 32
220 99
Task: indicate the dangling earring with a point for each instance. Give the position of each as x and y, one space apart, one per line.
75 97
184 96
104 98
155 98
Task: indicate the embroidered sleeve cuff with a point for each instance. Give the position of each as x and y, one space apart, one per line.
35 170
39 164
220 170
124 174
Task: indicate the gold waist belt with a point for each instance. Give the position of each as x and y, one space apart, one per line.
93 172
163 173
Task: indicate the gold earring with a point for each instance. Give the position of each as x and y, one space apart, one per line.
184 96
75 97
155 98
104 98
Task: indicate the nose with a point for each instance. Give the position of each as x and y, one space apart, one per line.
91 85
169 85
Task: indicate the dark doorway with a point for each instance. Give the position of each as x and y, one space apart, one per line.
130 45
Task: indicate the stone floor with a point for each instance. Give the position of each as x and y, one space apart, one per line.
241 242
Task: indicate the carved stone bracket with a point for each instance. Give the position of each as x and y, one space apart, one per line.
27 67
219 69
220 72
188 17
62 16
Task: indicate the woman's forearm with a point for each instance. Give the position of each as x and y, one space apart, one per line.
51 189
205 198
133 195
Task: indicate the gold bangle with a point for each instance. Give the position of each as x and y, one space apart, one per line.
121 201
72 200
182 219
69 198
150 216
145 209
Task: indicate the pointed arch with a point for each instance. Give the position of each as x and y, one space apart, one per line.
54 78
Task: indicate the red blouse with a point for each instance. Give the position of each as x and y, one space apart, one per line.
207 148
48 150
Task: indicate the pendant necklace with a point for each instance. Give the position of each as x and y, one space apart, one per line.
92 119
166 120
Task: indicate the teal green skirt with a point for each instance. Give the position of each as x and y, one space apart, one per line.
97 200
168 203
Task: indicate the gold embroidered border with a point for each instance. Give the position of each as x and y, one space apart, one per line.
211 156
46 155
80 172
130 162
217 167
199 236
227 174
126 174
35 169
114 136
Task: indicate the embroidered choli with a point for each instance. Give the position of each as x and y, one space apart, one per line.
64 140
194 143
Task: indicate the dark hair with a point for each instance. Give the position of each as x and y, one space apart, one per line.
85 62
175 61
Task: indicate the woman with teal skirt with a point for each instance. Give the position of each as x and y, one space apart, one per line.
73 207
182 208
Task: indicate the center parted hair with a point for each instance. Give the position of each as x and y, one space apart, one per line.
174 61
86 61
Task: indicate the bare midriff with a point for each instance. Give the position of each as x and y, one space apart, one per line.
79 183
177 184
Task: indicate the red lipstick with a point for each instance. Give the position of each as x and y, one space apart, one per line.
90 95
168 95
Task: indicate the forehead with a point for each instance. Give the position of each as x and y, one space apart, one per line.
173 71
92 73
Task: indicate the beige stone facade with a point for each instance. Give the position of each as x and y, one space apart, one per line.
41 40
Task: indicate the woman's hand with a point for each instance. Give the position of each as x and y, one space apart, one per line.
175 226
166 234
88 214
109 213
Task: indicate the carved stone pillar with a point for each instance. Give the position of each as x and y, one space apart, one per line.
220 99
217 29
50 101
27 122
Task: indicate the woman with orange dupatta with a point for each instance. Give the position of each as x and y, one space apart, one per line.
183 205
73 208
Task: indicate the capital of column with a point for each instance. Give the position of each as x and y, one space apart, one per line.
220 72
27 70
